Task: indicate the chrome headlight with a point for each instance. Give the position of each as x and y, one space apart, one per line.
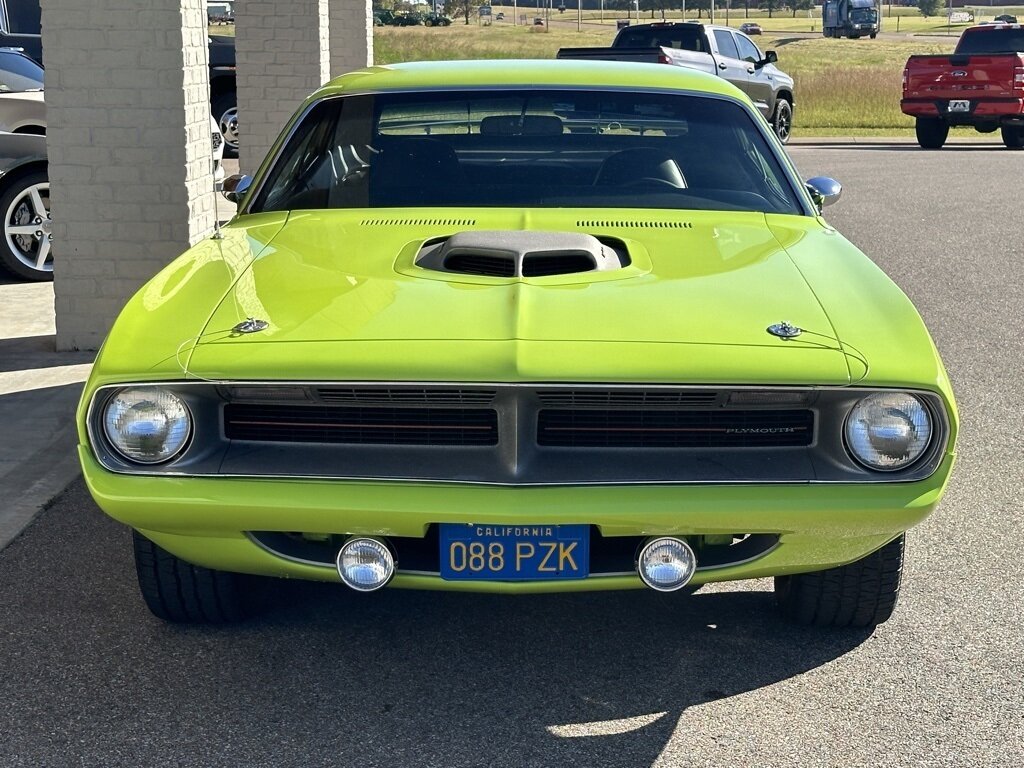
888 430
147 425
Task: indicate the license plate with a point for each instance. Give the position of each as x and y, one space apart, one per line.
514 552
960 105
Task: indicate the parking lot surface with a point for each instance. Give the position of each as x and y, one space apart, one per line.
328 677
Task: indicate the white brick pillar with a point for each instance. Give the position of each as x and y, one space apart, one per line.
282 51
351 35
129 148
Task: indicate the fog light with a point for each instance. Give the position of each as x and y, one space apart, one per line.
666 564
365 564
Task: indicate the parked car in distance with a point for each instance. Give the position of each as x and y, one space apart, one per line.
25 206
750 28
610 399
22 109
720 51
1005 19
981 85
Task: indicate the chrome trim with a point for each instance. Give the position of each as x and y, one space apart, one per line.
760 123
939 448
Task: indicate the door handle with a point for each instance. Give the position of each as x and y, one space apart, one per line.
722 65
750 70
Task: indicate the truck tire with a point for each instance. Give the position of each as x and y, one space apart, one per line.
931 132
225 112
782 120
180 592
874 35
861 594
1013 136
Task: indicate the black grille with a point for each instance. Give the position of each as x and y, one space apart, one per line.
361 425
479 264
564 398
674 429
345 395
559 264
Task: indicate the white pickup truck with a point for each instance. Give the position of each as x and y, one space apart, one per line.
721 51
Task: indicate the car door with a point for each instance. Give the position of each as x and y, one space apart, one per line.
728 60
760 87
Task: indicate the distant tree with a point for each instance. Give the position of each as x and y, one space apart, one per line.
931 7
802 5
771 6
464 8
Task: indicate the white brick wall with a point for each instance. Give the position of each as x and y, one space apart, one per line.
129 149
282 51
351 35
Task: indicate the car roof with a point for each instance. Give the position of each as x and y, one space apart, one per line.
503 73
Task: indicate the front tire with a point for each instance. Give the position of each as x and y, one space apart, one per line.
1013 136
782 120
860 594
180 592
25 248
931 132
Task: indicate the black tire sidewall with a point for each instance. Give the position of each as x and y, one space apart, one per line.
780 106
8 260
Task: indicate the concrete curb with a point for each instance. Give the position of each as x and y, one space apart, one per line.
826 141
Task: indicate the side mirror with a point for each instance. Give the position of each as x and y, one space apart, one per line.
235 187
824 191
770 57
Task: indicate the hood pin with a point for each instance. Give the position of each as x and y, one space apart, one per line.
784 330
250 325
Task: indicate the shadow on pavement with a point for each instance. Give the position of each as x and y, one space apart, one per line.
396 678
903 148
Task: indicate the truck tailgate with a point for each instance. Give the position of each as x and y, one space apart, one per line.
978 76
641 55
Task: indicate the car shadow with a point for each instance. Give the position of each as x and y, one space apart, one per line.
901 147
34 352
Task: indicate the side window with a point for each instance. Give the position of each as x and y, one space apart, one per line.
23 17
726 45
748 51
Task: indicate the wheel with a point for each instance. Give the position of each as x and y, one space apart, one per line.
782 121
861 594
1013 136
225 112
25 204
931 132
874 35
184 593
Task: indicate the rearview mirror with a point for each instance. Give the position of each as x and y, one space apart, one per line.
770 57
235 187
824 191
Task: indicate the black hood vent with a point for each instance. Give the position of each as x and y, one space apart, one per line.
522 253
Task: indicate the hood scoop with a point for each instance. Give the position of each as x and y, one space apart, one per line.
522 253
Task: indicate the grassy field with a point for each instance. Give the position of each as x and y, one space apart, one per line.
842 86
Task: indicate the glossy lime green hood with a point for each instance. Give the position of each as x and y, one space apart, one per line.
344 299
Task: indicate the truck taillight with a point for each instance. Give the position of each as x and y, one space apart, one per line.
905 80
664 59
1018 78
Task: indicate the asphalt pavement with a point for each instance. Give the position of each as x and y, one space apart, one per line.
329 678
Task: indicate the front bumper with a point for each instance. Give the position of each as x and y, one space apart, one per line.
204 520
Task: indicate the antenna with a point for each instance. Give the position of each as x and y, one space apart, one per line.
217 235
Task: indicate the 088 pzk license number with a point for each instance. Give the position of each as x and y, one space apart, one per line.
514 552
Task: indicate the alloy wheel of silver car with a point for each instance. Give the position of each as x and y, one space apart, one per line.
783 122
28 227
229 127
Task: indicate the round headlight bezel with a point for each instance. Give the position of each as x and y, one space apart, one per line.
934 424
118 448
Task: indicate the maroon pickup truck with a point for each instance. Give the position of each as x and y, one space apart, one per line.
981 84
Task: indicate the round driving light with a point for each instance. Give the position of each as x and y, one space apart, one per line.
888 430
365 564
666 564
147 425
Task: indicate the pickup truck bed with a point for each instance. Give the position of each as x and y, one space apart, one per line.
981 84
719 51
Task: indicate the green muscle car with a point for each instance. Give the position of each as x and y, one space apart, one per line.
521 327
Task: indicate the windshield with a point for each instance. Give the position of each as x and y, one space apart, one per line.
19 73
1007 40
864 15
687 37
528 149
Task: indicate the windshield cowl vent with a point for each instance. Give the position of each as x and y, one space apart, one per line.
522 253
